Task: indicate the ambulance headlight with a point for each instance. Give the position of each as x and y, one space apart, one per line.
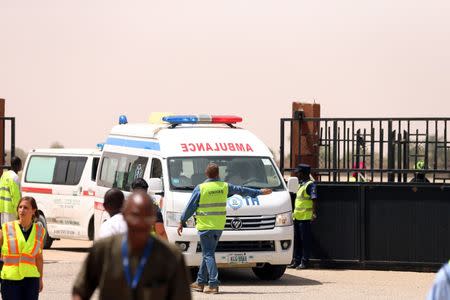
284 219
173 219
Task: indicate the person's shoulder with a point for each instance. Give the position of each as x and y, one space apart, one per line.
107 242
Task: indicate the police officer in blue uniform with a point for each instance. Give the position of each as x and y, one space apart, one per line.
303 213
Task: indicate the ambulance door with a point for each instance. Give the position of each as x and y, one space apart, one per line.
68 194
80 209
156 172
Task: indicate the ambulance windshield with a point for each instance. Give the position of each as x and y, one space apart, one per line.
253 172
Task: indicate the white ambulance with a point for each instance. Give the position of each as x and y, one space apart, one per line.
63 183
172 158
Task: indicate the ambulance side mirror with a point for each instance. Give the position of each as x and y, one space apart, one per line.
292 184
155 186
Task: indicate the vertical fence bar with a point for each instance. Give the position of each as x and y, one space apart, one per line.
427 140
446 145
335 144
329 151
399 156
348 154
381 153
372 150
405 155
339 152
436 143
391 150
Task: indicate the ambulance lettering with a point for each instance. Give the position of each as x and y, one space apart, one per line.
215 147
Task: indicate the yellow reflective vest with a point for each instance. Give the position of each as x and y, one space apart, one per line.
303 209
212 208
19 255
9 193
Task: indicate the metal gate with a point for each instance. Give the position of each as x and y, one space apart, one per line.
383 188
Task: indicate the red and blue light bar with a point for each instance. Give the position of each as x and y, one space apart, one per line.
202 119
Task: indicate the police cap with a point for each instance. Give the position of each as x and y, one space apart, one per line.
302 168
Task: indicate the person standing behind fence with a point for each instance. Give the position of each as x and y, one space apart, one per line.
113 203
134 265
304 213
22 243
208 201
10 191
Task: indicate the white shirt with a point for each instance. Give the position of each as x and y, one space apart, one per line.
112 226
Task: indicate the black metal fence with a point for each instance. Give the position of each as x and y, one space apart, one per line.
395 213
376 149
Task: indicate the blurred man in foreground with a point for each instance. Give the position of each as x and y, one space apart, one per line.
134 265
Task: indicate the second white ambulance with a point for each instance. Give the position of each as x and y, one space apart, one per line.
172 158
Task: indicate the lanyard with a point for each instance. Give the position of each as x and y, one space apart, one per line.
126 264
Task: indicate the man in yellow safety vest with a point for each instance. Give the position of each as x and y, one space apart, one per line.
208 202
10 191
304 212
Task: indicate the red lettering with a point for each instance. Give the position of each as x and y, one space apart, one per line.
240 147
184 147
200 147
248 148
191 147
217 147
223 146
208 147
231 147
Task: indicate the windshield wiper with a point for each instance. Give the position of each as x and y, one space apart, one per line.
185 188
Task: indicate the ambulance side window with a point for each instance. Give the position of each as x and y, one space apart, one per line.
156 171
65 170
119 170
40 169
94 168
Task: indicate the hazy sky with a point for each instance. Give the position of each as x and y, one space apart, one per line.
68 69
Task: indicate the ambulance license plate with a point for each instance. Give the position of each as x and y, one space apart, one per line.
237 258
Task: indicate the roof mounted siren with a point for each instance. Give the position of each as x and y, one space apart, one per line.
176 120
123 120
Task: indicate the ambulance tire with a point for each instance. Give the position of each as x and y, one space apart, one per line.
48 241
269 272
91 229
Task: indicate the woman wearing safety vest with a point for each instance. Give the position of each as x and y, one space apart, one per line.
22 243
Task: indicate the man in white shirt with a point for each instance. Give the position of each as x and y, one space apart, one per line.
112 203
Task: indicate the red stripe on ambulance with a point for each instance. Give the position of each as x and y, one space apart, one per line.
98 206
36 190
216 147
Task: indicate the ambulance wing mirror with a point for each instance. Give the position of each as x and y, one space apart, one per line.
292 184
155 186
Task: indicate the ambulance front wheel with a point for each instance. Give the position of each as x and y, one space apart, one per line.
48 241
269 272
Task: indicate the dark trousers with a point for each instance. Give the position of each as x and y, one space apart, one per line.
25 289
302 240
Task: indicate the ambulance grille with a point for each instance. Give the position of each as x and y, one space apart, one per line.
250 223
242 246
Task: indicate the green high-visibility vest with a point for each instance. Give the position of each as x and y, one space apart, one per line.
303 209
19 255
212 208
9 194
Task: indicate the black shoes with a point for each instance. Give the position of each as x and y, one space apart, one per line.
293 265
301 266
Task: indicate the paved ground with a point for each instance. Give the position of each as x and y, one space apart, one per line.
62 262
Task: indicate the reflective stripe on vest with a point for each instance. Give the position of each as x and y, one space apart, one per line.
212 207
19 255
303 204
6 201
